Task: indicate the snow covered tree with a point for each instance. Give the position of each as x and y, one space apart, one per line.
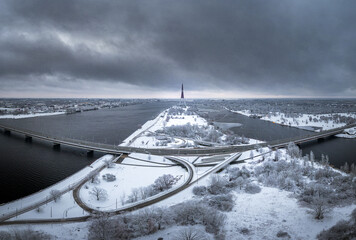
55 194
164 182
223 202
101 227
319 208
190 233
324 160
123 198
252 188
353 169
312 158
99 193
293 150
240 182
278 155
199 190
218 185
29 234
345 168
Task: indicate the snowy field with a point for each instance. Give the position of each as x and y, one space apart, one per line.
128 178
64 207
273 210
146 136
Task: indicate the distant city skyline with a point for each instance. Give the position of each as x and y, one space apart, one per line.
146 49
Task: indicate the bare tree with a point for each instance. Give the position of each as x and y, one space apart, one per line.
95 178
164 182
251 155
99 193
190 233
217 185
122 198
319 208
55 194
135 194
146 192
240 182
345 168
101 228
29 234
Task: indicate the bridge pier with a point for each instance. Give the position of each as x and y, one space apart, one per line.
90 153
7 131
56 146
321 139
28 138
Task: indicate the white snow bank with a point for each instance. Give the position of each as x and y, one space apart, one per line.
11 116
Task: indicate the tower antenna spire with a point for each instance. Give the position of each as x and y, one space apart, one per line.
182 100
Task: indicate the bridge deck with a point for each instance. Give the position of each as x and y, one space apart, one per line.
113 149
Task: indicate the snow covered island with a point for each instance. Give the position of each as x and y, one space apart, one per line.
311 122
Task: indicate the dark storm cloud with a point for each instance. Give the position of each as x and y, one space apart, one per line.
296 47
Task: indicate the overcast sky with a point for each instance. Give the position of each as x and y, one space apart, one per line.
226 49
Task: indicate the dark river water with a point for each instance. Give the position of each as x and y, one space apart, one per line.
339 150
26 167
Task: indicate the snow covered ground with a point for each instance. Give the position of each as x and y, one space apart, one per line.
272 210
62 231
307 120
31 115
146 136
65 207
311 122
128 178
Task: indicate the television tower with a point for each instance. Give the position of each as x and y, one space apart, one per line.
182 100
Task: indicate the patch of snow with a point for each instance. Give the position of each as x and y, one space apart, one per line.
127 178
272 210
19 116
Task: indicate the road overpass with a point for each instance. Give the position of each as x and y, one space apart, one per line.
113 149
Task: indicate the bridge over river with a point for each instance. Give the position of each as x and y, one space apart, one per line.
116 150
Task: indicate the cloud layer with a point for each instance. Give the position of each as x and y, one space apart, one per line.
253 48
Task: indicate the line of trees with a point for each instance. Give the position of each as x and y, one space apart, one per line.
151 220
